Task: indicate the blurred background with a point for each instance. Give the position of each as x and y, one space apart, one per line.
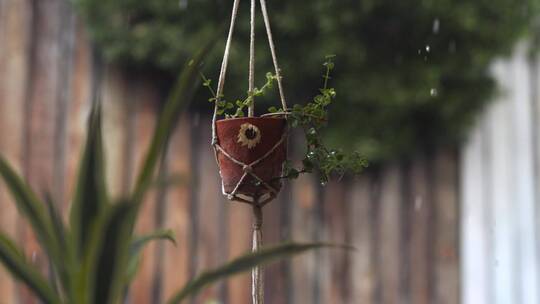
442 97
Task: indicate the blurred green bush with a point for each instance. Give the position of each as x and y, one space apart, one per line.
410 74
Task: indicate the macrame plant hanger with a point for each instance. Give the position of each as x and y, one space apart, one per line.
257 202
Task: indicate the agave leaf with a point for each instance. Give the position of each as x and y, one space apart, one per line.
33 210
67 266
138 245
90 195
245 263
106 260
14 261
178 100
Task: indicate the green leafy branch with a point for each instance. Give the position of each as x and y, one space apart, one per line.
239 106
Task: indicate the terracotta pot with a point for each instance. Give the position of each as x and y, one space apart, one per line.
247 140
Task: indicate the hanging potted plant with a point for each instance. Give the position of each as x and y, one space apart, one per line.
252 151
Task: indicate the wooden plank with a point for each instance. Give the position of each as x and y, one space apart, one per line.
144 99
389 227
79 108
336 209
419 211
177 217
447 222
302 229
240 223
15 39
523 176
500 125
41 112
361 275
474 245
209 203
275 230
534 68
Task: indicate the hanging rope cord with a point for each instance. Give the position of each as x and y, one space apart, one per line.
257 273
226 55
248 168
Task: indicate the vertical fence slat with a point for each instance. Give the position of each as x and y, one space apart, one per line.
335 211
15 27
208 203
240 224
389 227
447 223
361 274
302 225
274 277
175 259
145 99
419 245
40 117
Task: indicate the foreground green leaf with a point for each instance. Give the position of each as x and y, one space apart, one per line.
90 195
246 263
34 211
13 259
108 252
177 101
138 245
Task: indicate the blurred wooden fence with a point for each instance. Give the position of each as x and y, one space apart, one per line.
403 217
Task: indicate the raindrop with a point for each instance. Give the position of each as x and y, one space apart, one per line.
418 202
183 4
433 92
436 25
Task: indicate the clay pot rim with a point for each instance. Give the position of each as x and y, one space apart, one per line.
253 117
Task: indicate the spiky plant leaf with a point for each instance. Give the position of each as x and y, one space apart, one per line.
105 264
14 261
177 101
245 263
137 247
90 194
33 209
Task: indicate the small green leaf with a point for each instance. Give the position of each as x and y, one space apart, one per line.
272 109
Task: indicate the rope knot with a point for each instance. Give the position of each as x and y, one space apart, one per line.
230 196
257 218
248 168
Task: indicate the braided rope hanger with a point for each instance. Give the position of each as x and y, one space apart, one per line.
256 275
